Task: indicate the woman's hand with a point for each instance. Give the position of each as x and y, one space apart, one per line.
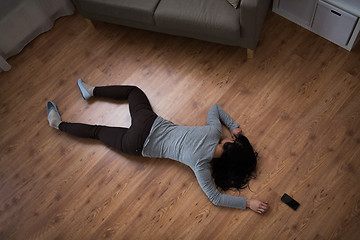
236 132
257 206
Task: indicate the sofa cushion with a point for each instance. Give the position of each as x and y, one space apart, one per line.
131 10
203 19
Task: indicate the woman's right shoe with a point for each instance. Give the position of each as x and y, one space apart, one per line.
86 95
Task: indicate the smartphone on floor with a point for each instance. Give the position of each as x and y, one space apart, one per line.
290 201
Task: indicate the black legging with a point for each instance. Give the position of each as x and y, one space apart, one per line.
127 140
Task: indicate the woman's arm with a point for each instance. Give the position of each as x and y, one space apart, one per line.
204 178
217 115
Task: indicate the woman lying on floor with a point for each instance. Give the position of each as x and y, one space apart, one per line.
231 162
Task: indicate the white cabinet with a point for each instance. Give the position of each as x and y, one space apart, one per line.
302 11
335 20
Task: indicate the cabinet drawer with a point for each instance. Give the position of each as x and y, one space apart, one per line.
333 23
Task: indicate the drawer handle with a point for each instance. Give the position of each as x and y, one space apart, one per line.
334 12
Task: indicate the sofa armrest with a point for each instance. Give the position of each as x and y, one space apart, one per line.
252 16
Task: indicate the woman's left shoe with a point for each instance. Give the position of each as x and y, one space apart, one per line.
53 115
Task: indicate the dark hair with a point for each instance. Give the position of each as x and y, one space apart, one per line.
236 166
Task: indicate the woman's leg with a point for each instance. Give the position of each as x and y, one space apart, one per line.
127 140
136 97
111 136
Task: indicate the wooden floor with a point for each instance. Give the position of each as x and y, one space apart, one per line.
298 101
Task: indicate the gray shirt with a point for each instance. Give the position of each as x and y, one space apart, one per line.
195 147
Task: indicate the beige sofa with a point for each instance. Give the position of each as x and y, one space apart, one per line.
209 20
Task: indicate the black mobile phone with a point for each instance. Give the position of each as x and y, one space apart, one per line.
290 201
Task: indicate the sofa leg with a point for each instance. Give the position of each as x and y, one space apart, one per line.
90 22
250 53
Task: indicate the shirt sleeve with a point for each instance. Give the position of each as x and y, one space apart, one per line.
204 178
217 115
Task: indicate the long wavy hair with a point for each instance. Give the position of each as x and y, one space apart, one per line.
236 166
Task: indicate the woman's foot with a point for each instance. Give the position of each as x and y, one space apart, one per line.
87 91
53 115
